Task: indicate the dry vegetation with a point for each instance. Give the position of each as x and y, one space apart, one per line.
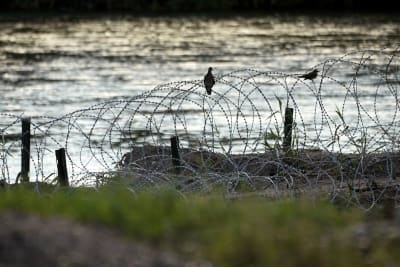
368 178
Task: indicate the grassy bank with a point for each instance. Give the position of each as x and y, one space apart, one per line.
246 232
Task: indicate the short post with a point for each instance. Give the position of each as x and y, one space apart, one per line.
176 159
25 148
62 167
288 127
391 167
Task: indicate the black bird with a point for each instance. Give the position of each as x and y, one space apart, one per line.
209 81
310 76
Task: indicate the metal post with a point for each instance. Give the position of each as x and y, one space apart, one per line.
176 159
287 139
25 148
62 167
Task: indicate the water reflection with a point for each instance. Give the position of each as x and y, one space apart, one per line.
83 61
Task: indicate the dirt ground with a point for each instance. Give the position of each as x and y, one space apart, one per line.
29 240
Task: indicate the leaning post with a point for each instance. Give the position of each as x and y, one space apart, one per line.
25 148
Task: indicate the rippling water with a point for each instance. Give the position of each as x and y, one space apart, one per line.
53 66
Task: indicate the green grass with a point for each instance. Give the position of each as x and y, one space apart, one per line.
246 232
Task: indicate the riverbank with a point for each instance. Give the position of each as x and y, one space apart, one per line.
357 179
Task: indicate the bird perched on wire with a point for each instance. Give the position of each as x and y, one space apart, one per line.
209 81
310 76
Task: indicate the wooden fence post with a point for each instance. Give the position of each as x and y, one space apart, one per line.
25 148
288 127
176 159
62 167
391 167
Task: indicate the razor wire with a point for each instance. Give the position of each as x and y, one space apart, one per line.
345 134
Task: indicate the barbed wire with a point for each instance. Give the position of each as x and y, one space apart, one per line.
345 134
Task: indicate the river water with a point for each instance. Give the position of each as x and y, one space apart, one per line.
53 66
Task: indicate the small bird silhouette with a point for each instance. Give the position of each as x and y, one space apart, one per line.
209 81
310 76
